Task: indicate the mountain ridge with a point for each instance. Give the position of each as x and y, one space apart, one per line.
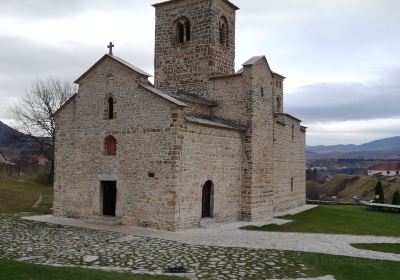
387 148
9 137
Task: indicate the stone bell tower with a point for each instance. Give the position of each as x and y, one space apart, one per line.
194 39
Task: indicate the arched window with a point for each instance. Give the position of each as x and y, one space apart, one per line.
183 30
110 146
110 102
223 31
207 200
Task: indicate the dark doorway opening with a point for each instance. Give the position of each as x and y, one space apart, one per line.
109 190
207 200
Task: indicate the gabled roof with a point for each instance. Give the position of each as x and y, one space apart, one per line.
117 59
224 76
287 116
162 94
393 166
274 74
204 120
65 104
253 60
194 99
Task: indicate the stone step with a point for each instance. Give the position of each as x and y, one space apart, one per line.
209 223
104 221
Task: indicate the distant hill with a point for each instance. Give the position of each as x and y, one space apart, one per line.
9 137
388 148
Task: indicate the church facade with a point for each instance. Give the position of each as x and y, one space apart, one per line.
203 142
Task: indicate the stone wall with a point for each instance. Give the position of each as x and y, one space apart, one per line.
277 99
259 141
232 102
186 66
145 133
214 154
289 163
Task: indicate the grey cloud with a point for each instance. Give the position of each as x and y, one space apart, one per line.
44 9
21 57
22 61
348 101
38 8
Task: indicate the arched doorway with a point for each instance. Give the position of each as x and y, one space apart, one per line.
207 200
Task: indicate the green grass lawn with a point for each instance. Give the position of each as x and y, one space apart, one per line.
13 270
379 247
356 220
347 268
20 194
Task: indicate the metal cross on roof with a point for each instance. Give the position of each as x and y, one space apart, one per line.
111 46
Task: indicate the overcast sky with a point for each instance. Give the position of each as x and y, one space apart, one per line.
341 58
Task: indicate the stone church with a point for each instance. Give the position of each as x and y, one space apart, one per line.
202 143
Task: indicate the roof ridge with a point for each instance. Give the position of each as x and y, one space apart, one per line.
119 60
162 94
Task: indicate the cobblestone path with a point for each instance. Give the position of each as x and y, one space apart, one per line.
63 245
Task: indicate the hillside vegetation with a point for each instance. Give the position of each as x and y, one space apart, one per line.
19 194
345 187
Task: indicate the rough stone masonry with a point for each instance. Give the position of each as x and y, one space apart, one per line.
203 142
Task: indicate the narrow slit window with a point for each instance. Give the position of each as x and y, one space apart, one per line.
292 132
223 31
181 32
110 108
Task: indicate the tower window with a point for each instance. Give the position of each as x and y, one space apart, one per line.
110 146
223 31
292 184
110 102
183 30
181 33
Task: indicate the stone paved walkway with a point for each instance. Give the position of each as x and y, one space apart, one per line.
224 252
37 242
230 235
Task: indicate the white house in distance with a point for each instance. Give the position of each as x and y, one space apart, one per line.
385 169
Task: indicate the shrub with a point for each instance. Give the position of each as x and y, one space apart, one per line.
396 198
379 192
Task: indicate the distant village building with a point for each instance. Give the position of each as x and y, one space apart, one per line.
385 169
42 160
203 142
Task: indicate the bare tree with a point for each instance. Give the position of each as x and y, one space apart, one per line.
34 113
